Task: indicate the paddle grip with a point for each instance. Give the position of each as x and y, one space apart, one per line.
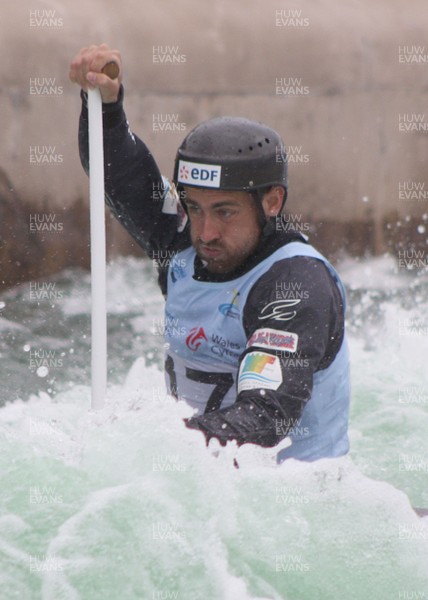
111 69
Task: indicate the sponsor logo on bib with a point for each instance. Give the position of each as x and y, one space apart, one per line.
195 338
231 309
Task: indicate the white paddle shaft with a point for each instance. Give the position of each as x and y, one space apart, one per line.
98 252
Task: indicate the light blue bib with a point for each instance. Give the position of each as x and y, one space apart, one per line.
205 337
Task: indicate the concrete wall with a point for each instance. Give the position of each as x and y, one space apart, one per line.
353 70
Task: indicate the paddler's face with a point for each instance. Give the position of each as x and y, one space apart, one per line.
224 226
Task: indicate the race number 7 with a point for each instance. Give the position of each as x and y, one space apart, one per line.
222 383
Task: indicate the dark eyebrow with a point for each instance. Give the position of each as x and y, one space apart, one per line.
219 204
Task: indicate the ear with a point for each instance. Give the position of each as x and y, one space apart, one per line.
273 200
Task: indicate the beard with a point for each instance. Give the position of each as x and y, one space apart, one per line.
218 258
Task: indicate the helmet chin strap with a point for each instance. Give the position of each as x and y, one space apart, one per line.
269 227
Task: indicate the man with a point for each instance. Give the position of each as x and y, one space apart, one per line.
254 316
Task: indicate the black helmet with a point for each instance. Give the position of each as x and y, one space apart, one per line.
231 153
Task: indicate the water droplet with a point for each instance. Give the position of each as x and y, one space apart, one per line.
42 371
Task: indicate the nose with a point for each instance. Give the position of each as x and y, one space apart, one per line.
209 231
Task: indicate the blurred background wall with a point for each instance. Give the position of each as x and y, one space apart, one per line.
346 85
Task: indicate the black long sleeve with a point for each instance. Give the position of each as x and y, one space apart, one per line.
133 183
